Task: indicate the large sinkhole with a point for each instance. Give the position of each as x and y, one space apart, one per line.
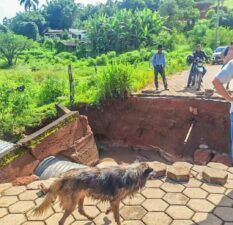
157 129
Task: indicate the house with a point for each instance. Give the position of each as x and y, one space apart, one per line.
50 33
67 46
72 33
78 34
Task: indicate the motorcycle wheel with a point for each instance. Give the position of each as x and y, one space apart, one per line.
199 80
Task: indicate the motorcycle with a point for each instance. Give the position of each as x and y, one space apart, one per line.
198 73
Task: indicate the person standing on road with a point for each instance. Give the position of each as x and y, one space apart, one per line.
199 53
227 56
223 77
159 62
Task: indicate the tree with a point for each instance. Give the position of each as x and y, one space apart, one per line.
28 4
34 16
60 14
28 29
11 46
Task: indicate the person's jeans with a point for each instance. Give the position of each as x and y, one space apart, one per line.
231 153
161 70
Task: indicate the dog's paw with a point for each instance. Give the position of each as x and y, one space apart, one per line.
108 211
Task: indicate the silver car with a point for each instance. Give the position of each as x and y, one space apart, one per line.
216 57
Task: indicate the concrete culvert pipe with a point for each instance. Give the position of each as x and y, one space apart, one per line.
54 166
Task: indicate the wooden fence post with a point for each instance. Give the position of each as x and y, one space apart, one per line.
71 81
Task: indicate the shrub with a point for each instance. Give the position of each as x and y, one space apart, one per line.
102 60
67 56
52 87
115 82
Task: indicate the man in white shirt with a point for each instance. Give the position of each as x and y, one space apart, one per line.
223 77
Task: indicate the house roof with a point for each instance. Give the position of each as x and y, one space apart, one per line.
51 31
69 43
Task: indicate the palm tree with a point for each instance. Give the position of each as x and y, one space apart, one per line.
28 4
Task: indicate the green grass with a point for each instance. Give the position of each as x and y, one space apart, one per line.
46 83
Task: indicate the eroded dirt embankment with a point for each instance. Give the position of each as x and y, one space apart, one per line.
162 122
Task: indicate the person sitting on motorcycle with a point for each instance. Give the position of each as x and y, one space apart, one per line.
198 54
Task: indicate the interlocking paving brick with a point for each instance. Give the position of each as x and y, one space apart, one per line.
229 193
3 212
21 207
213 189
229 184
153 183
230 176
178 173
5 186
220 200
132 212
193 183
103 206
215 176
172 187
84 223
90 201
153 193
198 168
217 166
46 215
133 222
155 205
200 205
183 164
6 201
15 190
90 210
157 218
106 164
34 223
206 219
103 219
195 193
57 208
34 185
16 219
30 195
225 213
176 198
136 200
54 219
230 170
182 222
179 212
159 168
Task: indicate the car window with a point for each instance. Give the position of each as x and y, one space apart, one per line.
220 49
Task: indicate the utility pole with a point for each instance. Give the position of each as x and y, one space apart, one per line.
217 24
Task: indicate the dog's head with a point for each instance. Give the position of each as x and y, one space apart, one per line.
145 169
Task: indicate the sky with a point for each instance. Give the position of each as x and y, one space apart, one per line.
9 8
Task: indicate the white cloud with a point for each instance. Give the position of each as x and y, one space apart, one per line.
9 8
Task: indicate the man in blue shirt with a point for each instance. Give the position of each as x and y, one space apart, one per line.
159 62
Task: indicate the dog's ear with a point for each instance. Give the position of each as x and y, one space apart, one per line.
147 169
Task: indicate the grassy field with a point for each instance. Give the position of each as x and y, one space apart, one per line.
45 78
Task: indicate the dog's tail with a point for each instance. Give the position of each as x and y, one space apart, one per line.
51 196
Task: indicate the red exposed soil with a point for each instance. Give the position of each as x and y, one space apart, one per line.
163 123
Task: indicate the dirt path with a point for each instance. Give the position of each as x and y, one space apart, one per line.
177 84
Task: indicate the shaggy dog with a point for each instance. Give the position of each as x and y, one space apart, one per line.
107 184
